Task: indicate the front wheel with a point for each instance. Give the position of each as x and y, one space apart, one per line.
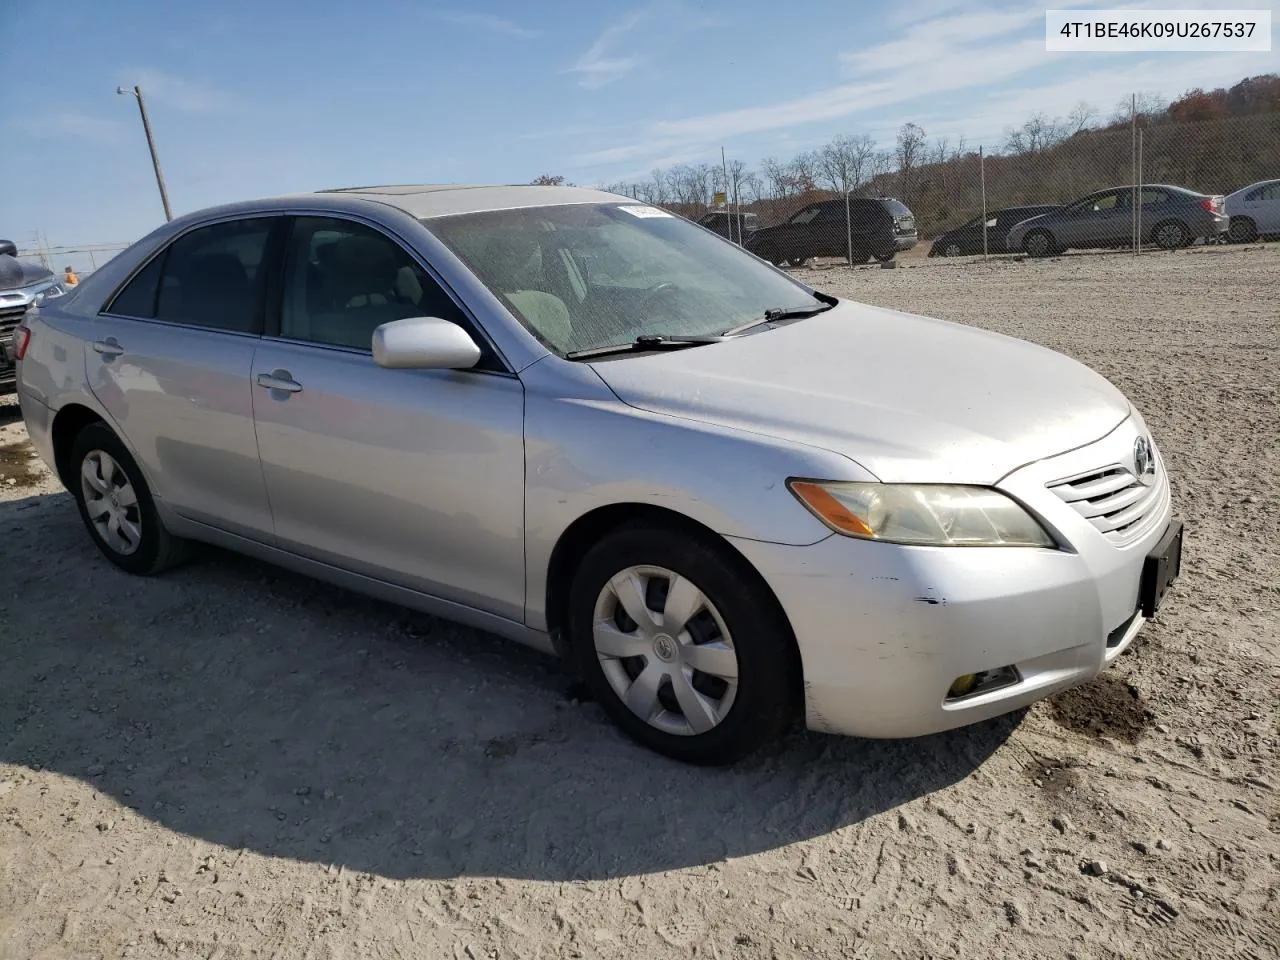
677 641
116 506
1039 243
951 250
886 255
798 262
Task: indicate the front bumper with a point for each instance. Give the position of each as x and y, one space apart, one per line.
884 630
905 243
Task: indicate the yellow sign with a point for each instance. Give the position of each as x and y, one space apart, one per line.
719 199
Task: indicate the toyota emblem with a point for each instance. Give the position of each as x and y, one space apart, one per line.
1144 460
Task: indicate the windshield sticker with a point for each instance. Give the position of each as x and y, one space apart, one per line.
646 211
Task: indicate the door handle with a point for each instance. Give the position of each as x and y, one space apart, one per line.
279 380
108 348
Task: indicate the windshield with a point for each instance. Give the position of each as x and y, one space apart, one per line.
583 276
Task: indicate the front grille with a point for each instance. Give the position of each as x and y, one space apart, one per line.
1112 499
10 317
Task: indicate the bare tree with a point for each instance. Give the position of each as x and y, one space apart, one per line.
804 168
1035 135
1081 117
909 154
547 180
842 163
777 178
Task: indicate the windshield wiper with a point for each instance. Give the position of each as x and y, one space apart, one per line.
778 313
641 344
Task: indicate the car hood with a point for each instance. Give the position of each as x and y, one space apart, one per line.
1024 224
908 398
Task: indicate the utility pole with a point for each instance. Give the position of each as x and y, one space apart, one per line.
151 143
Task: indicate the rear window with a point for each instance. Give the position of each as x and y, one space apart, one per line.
897 208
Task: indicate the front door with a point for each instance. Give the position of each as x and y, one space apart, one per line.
415 477
169 362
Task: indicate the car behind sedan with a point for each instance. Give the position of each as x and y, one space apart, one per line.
1170 217
588 425
968 238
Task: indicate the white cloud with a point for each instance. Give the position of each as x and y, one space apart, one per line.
935 51
74 125
600 65
487 22
190 96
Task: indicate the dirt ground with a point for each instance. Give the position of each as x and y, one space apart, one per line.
233 762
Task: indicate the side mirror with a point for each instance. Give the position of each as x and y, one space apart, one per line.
424 343
9 247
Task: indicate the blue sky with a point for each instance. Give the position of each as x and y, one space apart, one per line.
252 98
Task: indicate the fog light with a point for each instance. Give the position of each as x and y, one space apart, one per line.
963 684
984 681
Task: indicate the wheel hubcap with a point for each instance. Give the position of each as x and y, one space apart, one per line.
111 502
665 650
952 251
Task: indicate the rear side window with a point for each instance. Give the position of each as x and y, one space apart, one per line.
210 277
138 298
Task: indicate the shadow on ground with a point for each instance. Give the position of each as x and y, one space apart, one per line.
256 709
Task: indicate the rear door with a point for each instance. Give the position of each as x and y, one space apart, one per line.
1263 205
414 477
170 362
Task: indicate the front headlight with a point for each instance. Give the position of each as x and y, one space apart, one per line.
940 515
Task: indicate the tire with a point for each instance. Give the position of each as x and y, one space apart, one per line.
1171 235
1039 243
886 257
1242 230
859 257
745 697
108 486
951 250
798 262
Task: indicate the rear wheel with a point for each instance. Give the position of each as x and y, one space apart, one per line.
116 505
951 250
1171 234
798 261
884 256
680 646
1243 230
1039 243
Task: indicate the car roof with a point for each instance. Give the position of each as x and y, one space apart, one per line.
424 201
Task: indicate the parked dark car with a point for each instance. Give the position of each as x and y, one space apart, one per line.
966 239
1171 217
734 226
878 227
21 286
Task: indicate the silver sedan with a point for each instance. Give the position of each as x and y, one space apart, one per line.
724 498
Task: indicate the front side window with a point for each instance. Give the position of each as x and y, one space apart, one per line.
1151 198
583 276
209 277
342 280
806 216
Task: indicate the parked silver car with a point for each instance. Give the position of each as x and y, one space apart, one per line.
1254 211
594 427
1171 217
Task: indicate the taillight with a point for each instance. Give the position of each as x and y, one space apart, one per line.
21 340
1212 204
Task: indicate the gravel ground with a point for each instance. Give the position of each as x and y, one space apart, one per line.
233 762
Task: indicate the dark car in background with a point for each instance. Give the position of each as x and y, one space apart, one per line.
22 285
966 239
875 227
1171 217
734 226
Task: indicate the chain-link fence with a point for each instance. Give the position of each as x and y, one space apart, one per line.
83 258
1201 169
